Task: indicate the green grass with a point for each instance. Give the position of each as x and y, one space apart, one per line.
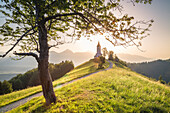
84 69
115 90
17 95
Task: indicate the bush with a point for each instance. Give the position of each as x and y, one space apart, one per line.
5 87
123 62
100 60
116 59
1 88
162 81
169 83
31 77
17 84
110 55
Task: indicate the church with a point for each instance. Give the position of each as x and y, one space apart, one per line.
98 51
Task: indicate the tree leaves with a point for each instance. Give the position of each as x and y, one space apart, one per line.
93 16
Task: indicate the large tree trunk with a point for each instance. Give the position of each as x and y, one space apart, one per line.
44 74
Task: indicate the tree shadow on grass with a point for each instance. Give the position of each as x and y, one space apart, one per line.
42 108
153 109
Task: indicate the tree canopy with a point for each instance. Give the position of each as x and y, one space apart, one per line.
81 17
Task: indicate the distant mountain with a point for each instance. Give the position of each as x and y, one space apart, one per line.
153 69
77 57
133 58
7 65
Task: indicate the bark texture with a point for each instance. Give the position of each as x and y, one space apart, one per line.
44 74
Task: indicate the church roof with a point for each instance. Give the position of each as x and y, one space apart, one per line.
98 44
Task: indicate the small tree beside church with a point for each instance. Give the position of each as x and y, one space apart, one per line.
100 61
105 52
110 55
116 58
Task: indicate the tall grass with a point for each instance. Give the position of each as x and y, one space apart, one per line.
82 70
115 90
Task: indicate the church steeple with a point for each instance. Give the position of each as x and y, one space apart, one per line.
98 45
98 51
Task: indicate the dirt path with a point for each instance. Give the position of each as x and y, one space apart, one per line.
22 101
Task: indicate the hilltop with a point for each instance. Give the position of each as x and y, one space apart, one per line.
116 90
9 66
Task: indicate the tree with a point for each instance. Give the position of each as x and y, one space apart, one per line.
161 81
1 92
160 77
110 55
100 61
17 84
169 83
6 87
105 52
116 58
38 25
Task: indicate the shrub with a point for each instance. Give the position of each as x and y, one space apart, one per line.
169 83
162 81
100 61
31 77
116 59
5 87
110 55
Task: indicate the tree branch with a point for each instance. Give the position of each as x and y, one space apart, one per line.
37 49
59 15
18 41
87 20
28 54
58 43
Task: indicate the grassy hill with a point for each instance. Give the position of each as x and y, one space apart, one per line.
84 69
153 69
116 90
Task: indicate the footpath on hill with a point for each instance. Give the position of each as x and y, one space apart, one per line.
22 101
117 90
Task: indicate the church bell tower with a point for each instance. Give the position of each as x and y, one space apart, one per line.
98 51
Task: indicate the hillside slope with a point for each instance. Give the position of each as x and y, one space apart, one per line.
82 70
114 90
153 69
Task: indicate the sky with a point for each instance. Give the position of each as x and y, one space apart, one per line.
156 46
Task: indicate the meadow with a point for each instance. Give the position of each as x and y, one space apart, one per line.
82 70
116 90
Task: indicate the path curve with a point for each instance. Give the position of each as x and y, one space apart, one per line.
22 101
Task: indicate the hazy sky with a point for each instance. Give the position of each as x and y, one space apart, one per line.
157 45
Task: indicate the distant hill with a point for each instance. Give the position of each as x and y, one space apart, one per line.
20 66
7 65
153 69
77 57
